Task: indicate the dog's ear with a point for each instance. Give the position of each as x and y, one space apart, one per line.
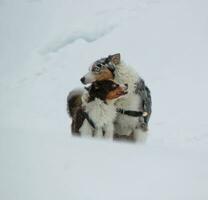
115 59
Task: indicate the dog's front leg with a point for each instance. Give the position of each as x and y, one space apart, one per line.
98 132
109 130
86 129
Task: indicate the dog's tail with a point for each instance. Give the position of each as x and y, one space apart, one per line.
74 101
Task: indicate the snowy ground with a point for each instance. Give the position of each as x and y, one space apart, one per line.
46 46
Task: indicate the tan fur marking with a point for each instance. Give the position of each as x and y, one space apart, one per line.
115 93
105 74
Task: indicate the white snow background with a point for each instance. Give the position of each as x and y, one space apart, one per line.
45 48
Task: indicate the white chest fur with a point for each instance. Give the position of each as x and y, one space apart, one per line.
123 75
100 112
102 115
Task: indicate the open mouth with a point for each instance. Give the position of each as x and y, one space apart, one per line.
120 93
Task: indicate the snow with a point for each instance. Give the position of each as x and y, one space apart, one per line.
46 46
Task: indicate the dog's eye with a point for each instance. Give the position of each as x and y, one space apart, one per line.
114 86
97 68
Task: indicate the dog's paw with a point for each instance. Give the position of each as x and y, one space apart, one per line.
144 127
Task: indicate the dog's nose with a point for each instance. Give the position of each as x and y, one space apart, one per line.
126 85
82 80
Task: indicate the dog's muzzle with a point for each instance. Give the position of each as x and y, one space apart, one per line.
88 78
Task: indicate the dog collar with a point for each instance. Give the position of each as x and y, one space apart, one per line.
131 113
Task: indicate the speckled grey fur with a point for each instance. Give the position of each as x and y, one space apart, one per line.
144 92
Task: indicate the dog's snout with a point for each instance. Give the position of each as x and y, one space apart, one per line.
82 80
126 85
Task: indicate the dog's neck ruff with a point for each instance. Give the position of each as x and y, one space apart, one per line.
91 99
129 105
126 75
100 113
87 117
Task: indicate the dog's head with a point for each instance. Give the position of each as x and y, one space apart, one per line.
106 90
102 69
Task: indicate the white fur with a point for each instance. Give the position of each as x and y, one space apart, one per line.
102 115
89 77
125 124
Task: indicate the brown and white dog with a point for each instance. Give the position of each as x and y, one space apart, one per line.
128 119
93 112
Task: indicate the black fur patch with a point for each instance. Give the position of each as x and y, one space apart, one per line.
100 89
